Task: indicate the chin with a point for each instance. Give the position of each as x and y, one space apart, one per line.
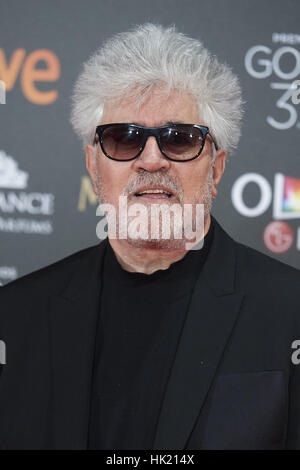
158 244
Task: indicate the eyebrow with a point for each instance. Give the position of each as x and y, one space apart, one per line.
168 123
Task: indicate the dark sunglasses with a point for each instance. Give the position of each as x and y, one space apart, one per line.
177 142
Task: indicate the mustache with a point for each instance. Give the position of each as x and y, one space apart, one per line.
152 179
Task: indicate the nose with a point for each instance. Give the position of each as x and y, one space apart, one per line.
151 159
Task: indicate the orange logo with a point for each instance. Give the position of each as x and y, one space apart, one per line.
26 67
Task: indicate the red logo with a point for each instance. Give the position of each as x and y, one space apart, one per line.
278 237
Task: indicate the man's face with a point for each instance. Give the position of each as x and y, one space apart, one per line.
191 182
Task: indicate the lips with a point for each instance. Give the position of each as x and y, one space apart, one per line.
154 192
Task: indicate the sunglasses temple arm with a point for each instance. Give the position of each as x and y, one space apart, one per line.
214 141
96 139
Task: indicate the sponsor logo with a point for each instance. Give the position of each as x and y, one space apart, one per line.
86 194
278 236
25 66
286 196
22 202
261 62
10 175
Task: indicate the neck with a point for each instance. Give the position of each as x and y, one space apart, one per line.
147 260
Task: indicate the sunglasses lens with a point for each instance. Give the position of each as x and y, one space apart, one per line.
122 142
181 143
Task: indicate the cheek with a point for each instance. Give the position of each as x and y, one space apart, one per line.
194 180
113 178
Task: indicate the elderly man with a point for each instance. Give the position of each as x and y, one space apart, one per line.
154 342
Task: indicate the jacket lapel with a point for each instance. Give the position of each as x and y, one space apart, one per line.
72 319
211 317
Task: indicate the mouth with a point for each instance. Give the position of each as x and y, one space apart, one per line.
154 193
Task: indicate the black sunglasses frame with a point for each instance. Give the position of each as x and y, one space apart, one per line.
152 131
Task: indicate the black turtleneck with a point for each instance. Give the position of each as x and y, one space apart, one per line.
141 318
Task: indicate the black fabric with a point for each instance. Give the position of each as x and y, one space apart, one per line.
233 383
141 318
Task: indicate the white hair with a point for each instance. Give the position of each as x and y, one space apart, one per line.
133 63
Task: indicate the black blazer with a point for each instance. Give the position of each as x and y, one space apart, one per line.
232 386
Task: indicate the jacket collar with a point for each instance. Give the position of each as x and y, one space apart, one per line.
219 268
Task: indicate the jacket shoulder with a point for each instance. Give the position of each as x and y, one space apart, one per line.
265 272
251 264
52 276
255 257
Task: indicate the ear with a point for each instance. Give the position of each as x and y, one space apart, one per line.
218 170
90 165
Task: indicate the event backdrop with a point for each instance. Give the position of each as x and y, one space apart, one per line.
47 206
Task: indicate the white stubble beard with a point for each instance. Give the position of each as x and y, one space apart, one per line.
203 196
